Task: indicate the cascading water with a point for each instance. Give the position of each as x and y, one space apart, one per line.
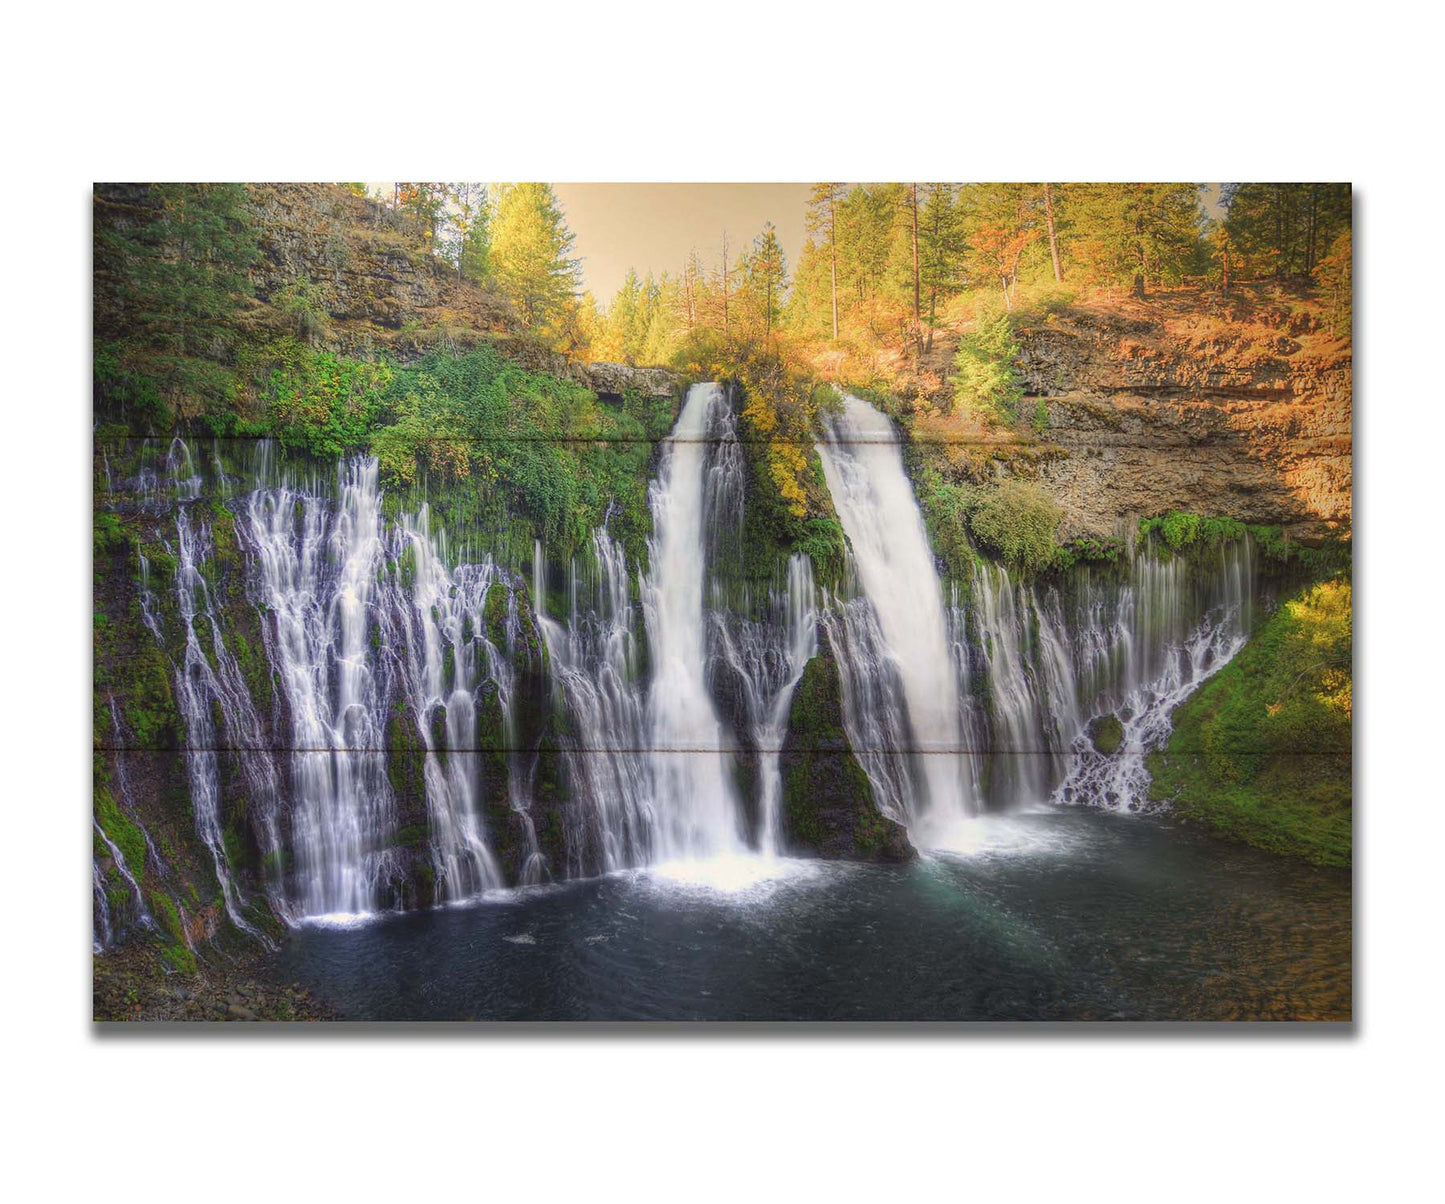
696 810
594 662
768 658
1175 625
982 704
1134 642
318 571
895 570
202 691
443 626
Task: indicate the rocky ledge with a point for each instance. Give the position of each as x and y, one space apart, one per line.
1227 405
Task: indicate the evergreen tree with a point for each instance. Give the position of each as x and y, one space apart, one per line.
867 223
472 240
531 254
765 281
823 220
941 250
1138 233
1284 229
174 279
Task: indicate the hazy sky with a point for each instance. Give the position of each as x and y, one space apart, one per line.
652 227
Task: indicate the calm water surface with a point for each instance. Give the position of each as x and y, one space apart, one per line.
1054 915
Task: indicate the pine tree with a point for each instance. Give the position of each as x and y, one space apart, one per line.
531 254
470 248
1138 233
1284 229
941 250
174 280
765 280
823 220
867 222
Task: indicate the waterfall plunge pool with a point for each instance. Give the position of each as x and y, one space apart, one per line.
1054 914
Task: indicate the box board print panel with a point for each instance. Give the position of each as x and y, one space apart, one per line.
722 602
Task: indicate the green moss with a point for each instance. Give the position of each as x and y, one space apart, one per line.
413 836
180 959
123 833
405 761
1181 530
1262 751
143 690
163 907
111 536
1106 734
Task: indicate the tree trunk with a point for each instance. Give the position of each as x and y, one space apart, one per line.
917 316
725 284
833 260
1053 234
1311 247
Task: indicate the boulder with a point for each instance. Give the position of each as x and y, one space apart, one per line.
828 805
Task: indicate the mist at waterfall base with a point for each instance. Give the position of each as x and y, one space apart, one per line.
669 894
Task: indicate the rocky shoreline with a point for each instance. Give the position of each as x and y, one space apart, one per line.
129 985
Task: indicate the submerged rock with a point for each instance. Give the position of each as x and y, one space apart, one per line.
828 803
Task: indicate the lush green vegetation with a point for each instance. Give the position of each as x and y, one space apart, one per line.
1262 751
886 267
171 266
1106 734
532 446
1018 521
1188 534
984 380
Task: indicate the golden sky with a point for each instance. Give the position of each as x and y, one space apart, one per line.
654 226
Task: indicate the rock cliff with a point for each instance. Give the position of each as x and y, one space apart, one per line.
1230 405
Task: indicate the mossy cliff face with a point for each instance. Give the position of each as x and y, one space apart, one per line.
161 891
1262 752
828 805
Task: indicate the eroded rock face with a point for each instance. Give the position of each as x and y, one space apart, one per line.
366 269
828 805
613 380
1219 406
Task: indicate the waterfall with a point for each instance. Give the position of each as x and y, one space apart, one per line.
894 566
1174 625
202 692
977 699
318 570
104 927
594 660
767 658
1132 641
447 658
696 808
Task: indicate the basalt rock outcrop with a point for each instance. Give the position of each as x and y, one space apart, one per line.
1231 406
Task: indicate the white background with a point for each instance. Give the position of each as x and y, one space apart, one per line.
1226 91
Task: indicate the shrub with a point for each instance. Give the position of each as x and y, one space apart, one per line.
1019 521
